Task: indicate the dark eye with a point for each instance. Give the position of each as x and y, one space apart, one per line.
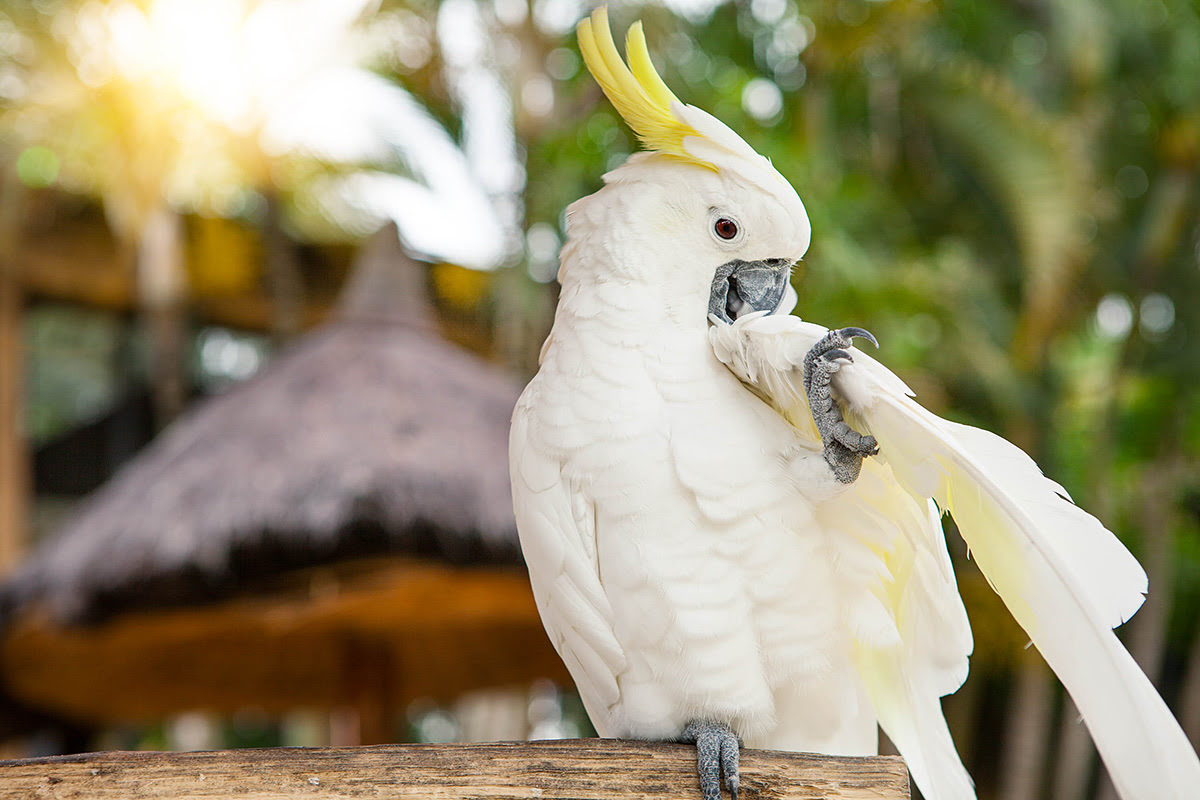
725 228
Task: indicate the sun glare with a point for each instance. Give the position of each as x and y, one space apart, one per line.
201 103
232 60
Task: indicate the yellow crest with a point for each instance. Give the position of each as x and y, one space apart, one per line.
636 91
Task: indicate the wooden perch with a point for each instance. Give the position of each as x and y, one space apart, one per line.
577 769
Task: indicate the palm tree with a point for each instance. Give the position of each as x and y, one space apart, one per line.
172 106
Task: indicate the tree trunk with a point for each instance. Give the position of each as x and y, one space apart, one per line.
1076 754
1148 635
1027 734
161 285
1189 700
14 467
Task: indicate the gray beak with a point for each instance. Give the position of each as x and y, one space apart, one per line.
741 287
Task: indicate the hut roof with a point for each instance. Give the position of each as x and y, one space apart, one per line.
370 436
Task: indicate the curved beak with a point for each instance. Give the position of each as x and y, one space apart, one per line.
740 287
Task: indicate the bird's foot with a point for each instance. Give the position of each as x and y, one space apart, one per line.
717 750
844 446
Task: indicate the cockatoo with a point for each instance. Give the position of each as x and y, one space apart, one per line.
731 517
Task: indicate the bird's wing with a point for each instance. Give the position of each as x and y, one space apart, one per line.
558 536
1065 578
909 631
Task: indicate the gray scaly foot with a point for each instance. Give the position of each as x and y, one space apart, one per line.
844 446
717 750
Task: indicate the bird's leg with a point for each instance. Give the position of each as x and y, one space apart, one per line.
844 446
717 750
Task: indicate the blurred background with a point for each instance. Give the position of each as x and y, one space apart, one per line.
272 273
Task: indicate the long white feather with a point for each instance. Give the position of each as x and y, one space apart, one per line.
1066 579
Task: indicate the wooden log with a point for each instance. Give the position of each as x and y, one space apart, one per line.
580 769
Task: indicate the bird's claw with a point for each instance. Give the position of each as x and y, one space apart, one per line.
717 753
836 355
850 334
845 447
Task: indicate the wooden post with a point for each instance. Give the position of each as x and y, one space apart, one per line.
283 273
14 477
161 290
580 769
368 673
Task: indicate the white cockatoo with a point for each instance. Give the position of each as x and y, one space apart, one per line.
731 517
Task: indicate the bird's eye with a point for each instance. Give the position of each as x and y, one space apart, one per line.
725 228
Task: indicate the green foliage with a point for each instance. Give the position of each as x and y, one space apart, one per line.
980 177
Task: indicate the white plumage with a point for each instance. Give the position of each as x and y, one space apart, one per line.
1067 580
694 557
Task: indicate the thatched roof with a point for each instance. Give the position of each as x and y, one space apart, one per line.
370 436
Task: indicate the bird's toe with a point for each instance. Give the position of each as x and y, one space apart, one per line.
717 753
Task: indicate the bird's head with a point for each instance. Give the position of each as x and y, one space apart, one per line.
701 220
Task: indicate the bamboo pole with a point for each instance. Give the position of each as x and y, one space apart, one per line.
580 769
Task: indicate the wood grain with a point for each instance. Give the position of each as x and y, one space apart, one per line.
582 769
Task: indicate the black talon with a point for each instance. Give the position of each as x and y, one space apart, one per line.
859 333
837 354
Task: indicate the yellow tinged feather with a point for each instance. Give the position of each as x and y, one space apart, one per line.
625 87
643 68
593 59
639 94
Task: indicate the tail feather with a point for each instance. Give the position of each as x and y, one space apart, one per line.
1065 579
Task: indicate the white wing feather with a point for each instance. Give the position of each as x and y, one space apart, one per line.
1066 579
558 538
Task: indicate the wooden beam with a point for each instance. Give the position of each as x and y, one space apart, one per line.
83 267
580 769
432 631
